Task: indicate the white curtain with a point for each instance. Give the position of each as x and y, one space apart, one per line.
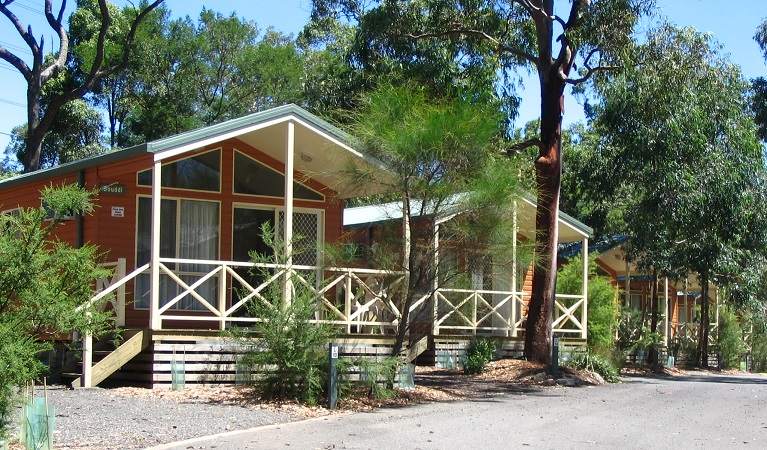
198 239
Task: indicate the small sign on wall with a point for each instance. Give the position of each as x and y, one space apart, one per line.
114 189
118 211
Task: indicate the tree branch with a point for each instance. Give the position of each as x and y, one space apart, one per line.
61 57
534 142
129 39
482 34
16 62
589 70
566 56
25 34
96 72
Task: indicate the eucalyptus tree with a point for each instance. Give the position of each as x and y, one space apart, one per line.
366 47
759 84
187 74
41 115
76 133
678 138
563 50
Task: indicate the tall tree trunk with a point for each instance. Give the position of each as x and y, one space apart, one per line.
548 171
703 327
35 136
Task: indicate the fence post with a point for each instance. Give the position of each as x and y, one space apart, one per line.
87 360
555 357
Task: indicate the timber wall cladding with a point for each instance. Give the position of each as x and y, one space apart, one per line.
215 361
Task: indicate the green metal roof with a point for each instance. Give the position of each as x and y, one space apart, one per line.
186 138
243 123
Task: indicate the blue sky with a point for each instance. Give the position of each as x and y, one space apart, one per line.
732 25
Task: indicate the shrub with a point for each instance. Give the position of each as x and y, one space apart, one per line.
729 339
479 352
603 310
595 363
630 328
377 376
759 348
288 358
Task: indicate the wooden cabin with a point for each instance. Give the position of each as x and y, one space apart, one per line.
493 302
679 300
178 218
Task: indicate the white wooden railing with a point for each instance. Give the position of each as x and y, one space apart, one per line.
363 301
689 331
103 288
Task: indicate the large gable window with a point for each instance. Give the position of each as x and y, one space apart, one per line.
254 178
198 173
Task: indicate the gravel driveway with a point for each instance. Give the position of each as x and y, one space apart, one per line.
128 418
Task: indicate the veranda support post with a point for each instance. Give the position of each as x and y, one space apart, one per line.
585 281
288 220
627 292
154 289
515 293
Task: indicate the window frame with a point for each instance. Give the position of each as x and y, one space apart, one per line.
235 151
177 232
220 172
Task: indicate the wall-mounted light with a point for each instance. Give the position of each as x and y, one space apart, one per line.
306 158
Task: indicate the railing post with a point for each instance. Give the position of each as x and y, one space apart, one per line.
514 300
348 300
120 272
222 295
86 380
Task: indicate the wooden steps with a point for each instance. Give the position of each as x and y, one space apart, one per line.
109 362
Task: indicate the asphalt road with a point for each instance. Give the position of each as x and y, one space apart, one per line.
701 411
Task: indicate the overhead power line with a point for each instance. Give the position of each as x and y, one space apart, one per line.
16 48
12 103
30 8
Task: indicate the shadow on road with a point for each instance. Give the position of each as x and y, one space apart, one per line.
704 377
463 387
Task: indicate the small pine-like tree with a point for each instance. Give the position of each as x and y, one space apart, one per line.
45 285
286 358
